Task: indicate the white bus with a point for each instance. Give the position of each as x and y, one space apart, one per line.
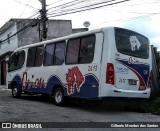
106 62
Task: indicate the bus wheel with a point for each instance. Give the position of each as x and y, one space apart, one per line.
15 92
58 97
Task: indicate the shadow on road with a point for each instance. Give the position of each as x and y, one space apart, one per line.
107 105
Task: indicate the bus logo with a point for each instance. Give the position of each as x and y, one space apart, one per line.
135 44
74 78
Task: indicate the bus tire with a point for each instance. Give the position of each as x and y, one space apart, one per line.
58 96
15 92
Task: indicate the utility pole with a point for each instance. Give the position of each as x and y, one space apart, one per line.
44 19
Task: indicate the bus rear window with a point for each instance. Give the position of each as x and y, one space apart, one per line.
131 43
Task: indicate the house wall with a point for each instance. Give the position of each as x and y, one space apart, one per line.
56 28
8 45
29 35
5 46
59 28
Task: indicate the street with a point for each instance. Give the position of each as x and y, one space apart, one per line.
37 109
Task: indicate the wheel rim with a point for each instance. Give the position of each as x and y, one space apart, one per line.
58 96
15 91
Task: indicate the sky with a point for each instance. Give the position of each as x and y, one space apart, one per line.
141 16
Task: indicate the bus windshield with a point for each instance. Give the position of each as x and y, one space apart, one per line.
131 43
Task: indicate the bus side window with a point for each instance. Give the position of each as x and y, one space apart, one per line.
80 50
87 49
49 55
31 57
16 61
39 56
21 59
54 54
35 56
12 63
59 53
72 51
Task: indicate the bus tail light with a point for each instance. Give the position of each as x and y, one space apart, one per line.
110 74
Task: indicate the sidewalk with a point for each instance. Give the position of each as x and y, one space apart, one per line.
4 88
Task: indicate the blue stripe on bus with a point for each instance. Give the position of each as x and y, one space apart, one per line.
89 89
142 69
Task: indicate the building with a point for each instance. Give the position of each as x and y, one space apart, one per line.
19 32
77 30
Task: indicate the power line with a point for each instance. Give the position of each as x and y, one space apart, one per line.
30 17
141 3
145 3
65 4
61 13
71 4
81 9
127 19
92 6
31 24
89 8
36 13
25 8
141 13
25 27
121 20
55 2
26 4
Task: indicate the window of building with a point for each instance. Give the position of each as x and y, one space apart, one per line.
35 56
54 54
16 61
80 50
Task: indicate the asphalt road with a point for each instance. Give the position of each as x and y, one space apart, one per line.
37 109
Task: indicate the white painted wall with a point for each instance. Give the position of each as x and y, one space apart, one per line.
5 47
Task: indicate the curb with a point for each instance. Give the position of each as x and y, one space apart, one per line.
3 88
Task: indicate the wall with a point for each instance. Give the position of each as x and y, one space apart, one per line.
29 35
59 28
5 46
56 28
